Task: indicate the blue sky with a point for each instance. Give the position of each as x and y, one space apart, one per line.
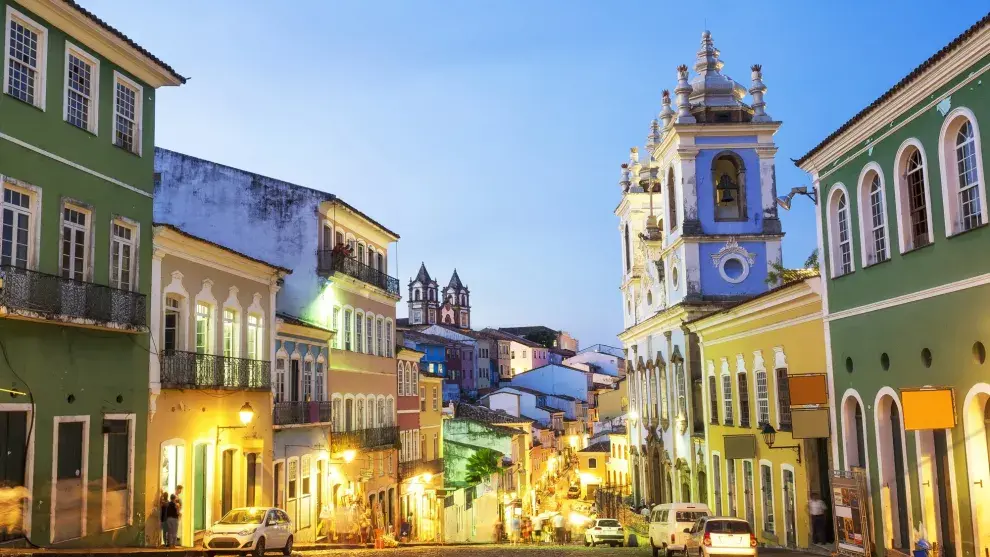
489 134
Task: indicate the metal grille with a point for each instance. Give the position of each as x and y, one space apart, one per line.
365 438
53 295
22 64
301 412
329 262
214 371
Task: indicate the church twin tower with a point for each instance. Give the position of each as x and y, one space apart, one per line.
426 308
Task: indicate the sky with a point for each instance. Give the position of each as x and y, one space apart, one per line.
488 134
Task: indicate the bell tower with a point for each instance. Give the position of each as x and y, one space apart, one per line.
424 306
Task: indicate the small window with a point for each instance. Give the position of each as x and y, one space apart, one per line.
293 478
122 252
435 399
728 178
173 319
127 114
75 243
25 51
82 85
592 463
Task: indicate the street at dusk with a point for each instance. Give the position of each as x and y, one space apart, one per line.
434 278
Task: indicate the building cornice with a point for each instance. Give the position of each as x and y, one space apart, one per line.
795 296
169 242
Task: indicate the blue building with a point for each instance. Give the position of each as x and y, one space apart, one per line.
434 349
699 231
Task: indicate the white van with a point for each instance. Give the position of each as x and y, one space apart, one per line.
667 525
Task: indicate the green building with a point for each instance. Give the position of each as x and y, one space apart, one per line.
902 207
76 166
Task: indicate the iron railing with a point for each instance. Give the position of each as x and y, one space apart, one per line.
412 468
329 262
300 412
364 438
190 369
52 295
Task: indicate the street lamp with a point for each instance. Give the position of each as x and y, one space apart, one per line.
785 201
246 413
770 434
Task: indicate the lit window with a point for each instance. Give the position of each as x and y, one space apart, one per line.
75 245
127 114
347 329
25 52
230 333
320 373
122 256
203 328
358 339
172 323
81 87
17 247
256 339
335 326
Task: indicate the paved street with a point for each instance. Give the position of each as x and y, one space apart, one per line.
520 551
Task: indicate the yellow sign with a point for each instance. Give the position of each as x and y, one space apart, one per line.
810 424
930 408
740 446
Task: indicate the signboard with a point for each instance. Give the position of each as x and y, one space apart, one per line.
740 446
850 513
808 389
928 408
810 423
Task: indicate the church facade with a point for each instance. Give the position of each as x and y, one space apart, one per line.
699 231
428 305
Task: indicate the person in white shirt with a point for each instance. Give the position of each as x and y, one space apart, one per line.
558 528
816 507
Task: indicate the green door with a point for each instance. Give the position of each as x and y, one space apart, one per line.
199 488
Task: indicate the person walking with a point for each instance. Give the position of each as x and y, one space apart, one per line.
178 509
172 521
817 509
162 512
558 528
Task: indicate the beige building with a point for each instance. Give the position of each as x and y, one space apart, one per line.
210 420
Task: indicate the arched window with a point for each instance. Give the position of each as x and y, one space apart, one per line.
417 294
912 196
729 182
840 236
359 413
872 216
672 198
369 412
381 413
626 241
962 172
389 411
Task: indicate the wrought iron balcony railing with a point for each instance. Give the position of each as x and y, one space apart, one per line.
364 438
52 296
412 468
300 412
330 262
212 371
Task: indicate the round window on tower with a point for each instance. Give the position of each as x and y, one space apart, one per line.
734 269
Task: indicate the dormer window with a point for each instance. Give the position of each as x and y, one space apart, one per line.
729 179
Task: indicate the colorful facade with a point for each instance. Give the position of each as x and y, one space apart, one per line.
750 350
902 212
77 121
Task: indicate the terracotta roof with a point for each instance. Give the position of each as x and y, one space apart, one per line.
124 38
915 74
293 320
563 352
178 230
487 415
600 447
503 335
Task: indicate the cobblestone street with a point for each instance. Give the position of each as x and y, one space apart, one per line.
520 551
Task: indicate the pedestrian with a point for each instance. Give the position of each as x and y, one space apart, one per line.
645 511
537 528
172 521
558 528
162 515
516 529
178 508
817 509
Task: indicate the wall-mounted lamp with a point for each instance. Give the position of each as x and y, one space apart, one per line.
785 201
770 434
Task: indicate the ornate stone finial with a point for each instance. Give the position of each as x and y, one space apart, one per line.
683 91
667 114
757 89
707 60
653 139
624 182
634 154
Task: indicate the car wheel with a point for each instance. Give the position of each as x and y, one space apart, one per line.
259 548
656 550
587 542
287 550
666 551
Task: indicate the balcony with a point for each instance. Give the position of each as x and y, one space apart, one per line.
211 371
37 295
299 412
412 468
371 438
330 262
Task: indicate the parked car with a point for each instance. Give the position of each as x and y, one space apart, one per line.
721 535
250 530
604 530
667 525
573 492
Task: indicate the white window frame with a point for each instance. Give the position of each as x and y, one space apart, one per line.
92 125
902 194
949 170
358 330
832 222
772 522
308 377
119 78
389 347
41 72
87 230
256 331
348 327
335 313
135 229
727 408
84 473
180 326
131 423
320 377
868 227
33 213
233 326
210 346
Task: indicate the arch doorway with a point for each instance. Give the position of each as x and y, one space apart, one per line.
656 482
702 488
976 420
853 437
893 492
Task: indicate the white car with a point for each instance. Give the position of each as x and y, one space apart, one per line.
721 535
667 525
250 530
606 531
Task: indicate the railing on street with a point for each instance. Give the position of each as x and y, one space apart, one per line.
412 468
191 369
300 412
329 262
52 295
364 438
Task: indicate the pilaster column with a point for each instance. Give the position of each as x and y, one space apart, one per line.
155 325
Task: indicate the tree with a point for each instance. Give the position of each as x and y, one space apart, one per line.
482 464
779 274
544 338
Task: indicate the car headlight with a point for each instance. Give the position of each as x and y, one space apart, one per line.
246 532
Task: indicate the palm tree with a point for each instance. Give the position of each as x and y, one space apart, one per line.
778 274
482 464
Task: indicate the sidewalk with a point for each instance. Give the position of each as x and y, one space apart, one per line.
195 551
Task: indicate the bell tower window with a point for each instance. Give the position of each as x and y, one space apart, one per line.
728 178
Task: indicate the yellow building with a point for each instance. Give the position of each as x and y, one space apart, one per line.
429 514
210 419
592 468
749 352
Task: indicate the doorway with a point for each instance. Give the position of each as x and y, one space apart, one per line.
252 479
13 458
945 519
294 382
279 477
227 482
893 493
748 493
69 511
200 472
976 419
790 526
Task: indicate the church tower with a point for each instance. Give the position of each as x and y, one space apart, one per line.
424 305
456 309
